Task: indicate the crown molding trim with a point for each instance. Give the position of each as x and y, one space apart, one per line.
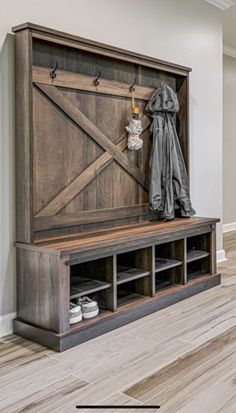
221 4
229 51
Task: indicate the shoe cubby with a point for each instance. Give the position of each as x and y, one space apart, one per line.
135 268
168 278
95 280
198 256
128 293
169 264
198 268
198 247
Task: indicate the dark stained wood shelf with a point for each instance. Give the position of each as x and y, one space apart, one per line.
144 231
194 255
126 274
87 286
162 264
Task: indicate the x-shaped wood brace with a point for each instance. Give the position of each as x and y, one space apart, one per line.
113 151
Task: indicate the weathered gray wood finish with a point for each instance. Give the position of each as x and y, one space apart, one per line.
23 110
43 282
82 197
124 262
75 165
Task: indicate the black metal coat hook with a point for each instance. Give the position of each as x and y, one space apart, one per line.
53 71
132 88
96 81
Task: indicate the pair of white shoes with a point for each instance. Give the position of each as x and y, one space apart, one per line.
83 308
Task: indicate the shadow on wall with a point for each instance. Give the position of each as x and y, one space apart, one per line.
7 177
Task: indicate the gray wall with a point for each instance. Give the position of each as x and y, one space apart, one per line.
229 140
187 32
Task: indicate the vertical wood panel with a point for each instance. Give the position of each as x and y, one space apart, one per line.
185 262
213 250
144 261
182 118
23 95
43 289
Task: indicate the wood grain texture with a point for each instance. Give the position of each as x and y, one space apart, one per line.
58 37
43 289
57 221
84 177
144 230
84 82
182 121
101 139
23 123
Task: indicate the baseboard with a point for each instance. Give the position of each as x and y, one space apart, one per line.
6 324
220 256
229 227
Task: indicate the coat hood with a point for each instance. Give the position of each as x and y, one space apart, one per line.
163 99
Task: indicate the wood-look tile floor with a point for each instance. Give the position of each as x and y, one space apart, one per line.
183 358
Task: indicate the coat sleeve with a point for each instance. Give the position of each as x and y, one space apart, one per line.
180 178
155 195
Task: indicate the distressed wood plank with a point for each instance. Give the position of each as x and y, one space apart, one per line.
127 56
84 82
84 178
23 128
57 221
154 228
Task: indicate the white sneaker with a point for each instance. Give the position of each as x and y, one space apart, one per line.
75 313
89 307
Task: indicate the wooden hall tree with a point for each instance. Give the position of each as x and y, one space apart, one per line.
83 222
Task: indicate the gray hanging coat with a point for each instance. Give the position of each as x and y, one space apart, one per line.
168 186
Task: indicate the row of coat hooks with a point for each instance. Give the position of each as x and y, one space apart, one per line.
96 82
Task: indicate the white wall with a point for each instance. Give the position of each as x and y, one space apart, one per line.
229 143
188 32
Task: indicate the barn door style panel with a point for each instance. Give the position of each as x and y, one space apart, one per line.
80 175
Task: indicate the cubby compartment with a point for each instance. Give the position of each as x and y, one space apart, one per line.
169 264
129 293
136 265
198 247
95 280
169 278
198 267
169 255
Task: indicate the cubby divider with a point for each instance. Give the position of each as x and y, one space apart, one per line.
124 278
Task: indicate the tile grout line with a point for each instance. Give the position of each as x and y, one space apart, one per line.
131 398
77 377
